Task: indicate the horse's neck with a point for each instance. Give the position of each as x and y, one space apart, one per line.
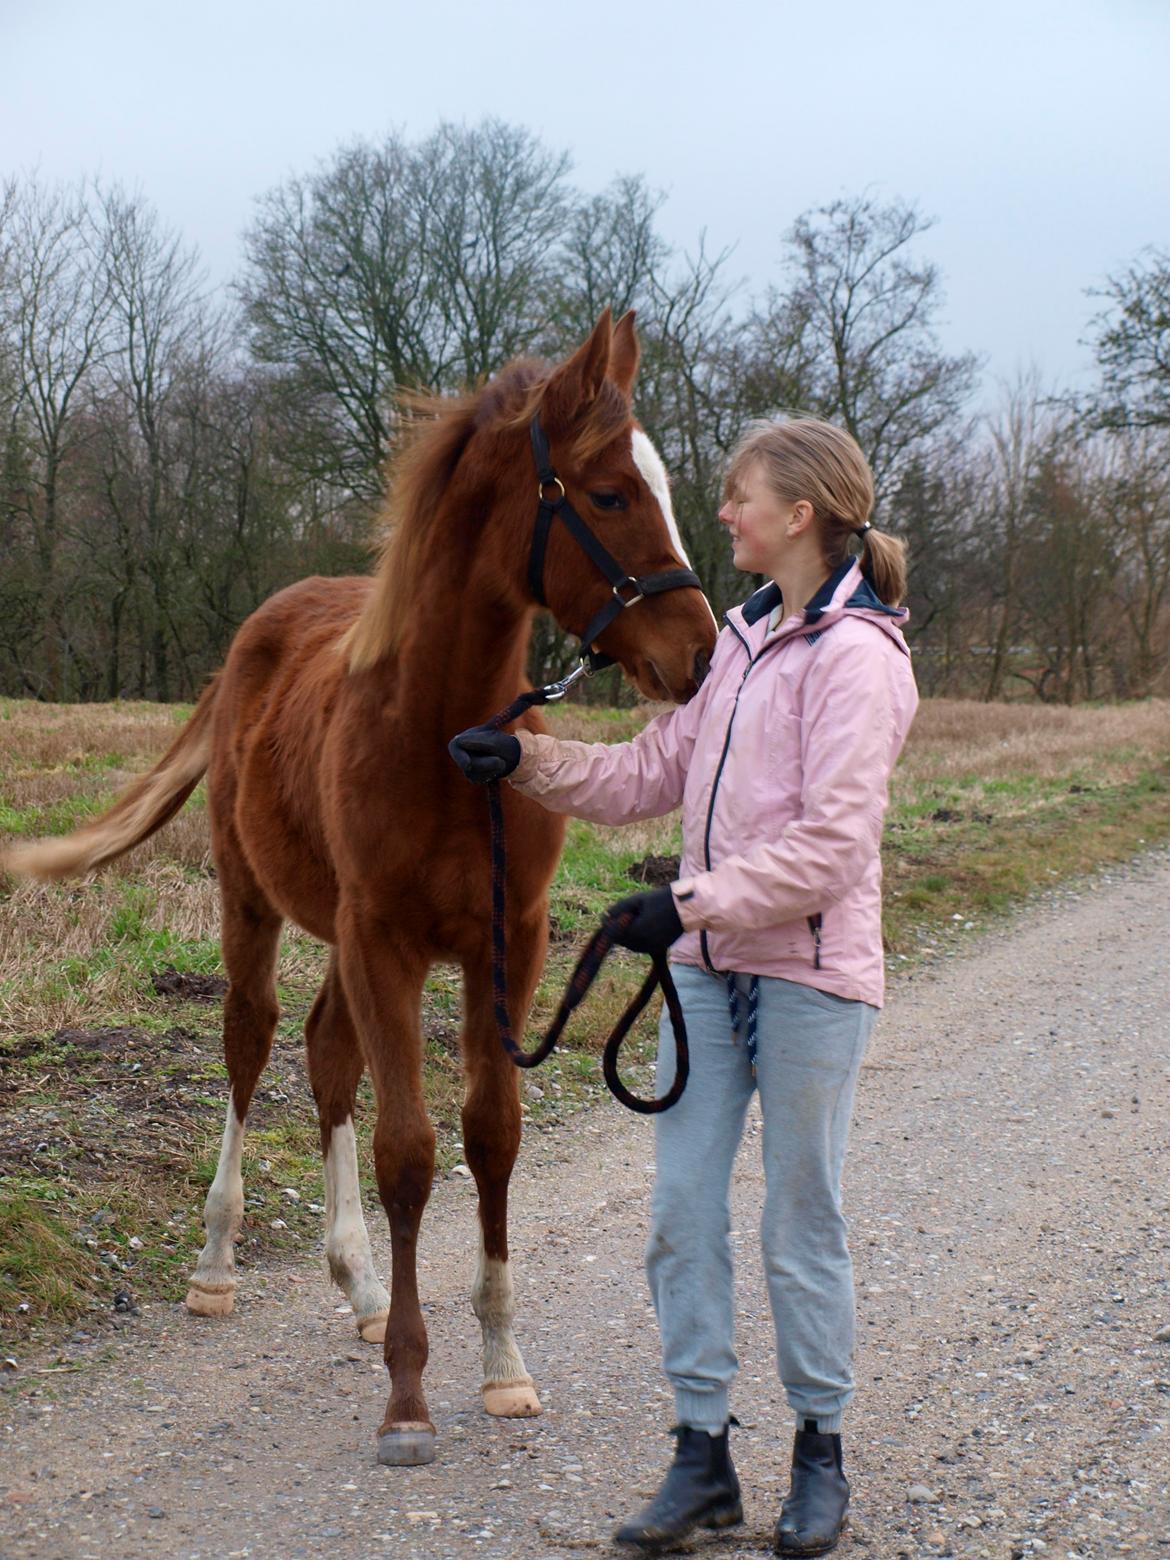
462 662
461 626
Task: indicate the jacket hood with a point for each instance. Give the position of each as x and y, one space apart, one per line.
846 592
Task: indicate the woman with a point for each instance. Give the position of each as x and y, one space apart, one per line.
781 763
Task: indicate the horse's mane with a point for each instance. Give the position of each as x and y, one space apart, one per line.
435 432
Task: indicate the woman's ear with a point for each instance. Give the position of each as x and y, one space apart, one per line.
801 518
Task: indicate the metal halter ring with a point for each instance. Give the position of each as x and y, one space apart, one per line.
621 585
552 482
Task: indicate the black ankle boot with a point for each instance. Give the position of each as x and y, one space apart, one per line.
700 1491
813 1513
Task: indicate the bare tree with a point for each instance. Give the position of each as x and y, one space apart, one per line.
1067 607
164 334
1018 437
853 335
1135 503
1133 346
611 255
492 205
57 316
935 507
401 265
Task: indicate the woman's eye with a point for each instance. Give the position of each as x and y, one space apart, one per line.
607 501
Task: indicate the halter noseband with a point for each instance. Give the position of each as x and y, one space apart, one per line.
627 589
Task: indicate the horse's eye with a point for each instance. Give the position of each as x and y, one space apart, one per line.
607 501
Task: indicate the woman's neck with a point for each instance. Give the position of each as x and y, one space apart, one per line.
800 582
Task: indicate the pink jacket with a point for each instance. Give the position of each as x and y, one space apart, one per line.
781 763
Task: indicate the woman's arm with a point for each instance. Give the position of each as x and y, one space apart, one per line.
854 722
618 782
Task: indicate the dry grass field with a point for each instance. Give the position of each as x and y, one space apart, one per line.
111 1086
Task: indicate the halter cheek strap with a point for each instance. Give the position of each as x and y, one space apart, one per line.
626 589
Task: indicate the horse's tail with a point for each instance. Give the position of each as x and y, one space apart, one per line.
145 806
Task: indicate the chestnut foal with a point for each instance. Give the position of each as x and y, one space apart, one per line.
333 803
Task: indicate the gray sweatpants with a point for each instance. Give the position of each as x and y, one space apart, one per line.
810 1050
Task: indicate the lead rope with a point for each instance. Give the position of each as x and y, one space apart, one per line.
753 1013
590 962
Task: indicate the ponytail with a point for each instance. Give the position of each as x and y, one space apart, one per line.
883 562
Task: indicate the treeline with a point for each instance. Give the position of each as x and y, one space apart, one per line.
171 455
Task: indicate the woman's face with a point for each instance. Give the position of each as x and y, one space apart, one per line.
757 522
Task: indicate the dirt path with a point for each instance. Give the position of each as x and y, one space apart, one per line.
1008 1201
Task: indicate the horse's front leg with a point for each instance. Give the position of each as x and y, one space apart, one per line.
491 1140
383 980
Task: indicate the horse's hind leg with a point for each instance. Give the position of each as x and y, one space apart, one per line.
251 933
491 1141
335 1067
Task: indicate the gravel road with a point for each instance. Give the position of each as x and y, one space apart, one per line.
1007 1191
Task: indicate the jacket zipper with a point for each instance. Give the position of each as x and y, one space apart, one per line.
715 783
814 921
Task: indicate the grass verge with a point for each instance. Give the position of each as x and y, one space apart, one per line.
112 1092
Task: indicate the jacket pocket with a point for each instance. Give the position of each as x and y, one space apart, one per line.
815 925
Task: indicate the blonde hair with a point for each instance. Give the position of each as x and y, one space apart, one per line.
805 458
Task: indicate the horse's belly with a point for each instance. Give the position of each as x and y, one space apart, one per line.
299 885
290 866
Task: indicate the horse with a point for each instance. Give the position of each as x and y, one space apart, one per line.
333 803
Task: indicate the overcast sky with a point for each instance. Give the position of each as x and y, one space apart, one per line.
1035 132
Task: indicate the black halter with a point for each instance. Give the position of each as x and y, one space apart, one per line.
628 589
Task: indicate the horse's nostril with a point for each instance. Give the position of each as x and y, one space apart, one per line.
702 666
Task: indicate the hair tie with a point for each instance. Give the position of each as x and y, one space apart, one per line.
868 526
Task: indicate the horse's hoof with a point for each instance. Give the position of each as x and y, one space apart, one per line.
511 1400
372 1329
210 1299
406 1445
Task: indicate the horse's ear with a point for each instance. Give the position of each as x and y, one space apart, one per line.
574 386
624 354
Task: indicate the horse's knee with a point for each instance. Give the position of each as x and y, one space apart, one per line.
491 1132
404 1163
491 1153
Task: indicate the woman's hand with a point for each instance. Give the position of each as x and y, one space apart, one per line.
655 924
485 754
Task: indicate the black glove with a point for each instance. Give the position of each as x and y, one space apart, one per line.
655 925
484 754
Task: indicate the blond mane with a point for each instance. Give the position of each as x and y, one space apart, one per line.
435 433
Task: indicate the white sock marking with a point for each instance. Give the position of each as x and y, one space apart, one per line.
492 1302
347 1242
223 1211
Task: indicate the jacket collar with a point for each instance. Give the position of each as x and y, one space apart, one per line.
759 605
845 590
768 597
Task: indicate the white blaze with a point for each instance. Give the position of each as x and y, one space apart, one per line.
649 463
